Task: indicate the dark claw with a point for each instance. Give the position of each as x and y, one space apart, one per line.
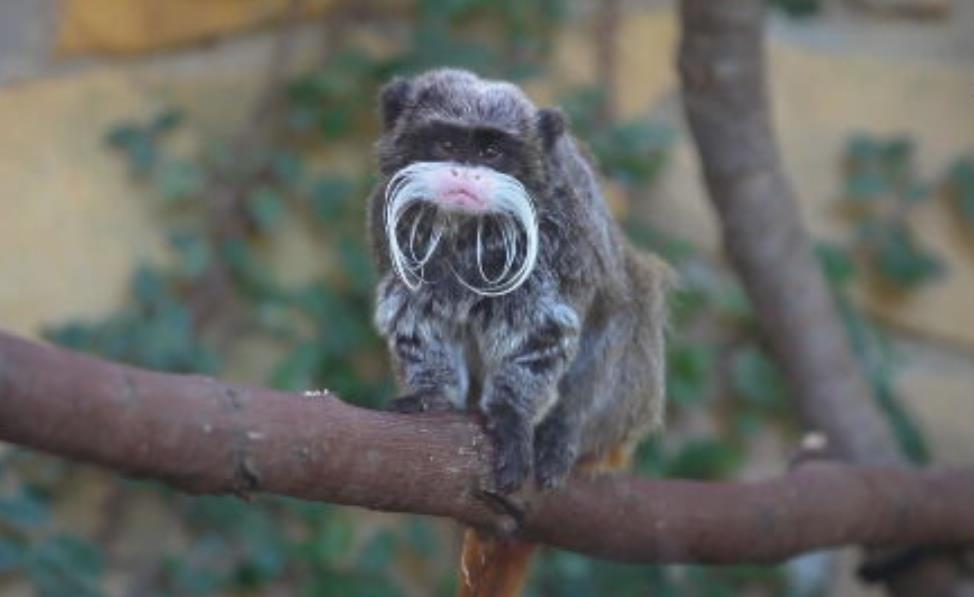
417 403
503 505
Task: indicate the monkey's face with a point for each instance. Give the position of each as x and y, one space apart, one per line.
463 159
486 217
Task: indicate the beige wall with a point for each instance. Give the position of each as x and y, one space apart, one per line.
72 225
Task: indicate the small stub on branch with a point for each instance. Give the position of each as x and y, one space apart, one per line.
814 446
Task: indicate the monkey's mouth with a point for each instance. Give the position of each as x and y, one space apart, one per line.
462 199
486 214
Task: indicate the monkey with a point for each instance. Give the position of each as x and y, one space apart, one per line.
506 287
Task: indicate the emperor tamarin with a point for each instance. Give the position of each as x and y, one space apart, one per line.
506 287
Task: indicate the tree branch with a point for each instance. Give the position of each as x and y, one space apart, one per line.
725 96
204 436
722 67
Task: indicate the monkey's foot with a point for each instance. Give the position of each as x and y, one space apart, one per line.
555 451
419 403
513 457
511 511
552 464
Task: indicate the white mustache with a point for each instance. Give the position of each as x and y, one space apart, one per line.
510 206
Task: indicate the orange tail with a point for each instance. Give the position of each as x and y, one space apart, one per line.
495 567
492 566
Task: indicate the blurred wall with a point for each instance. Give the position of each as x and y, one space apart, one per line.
72 225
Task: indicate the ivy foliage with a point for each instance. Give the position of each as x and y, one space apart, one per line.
225 207
882 188
798 8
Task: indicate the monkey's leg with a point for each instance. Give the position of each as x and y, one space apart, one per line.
428 361
431 368
525 361
557 443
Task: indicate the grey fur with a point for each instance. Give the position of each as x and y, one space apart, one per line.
569 364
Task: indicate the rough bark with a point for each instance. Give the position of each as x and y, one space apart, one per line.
204 436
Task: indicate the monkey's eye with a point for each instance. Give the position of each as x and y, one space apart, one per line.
443 148
491 153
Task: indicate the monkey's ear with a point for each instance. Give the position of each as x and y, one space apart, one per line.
551 125
392 101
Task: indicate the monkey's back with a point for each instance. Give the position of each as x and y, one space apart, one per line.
617 381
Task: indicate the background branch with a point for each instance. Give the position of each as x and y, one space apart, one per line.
722 67
725 96
204 436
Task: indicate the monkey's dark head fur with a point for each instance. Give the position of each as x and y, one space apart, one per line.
454 114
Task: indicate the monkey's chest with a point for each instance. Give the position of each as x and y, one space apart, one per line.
467 324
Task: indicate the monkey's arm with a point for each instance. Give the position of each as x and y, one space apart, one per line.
525 355
428 362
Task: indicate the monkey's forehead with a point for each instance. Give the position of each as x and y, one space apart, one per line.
463 98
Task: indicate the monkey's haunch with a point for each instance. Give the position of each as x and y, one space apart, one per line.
427 201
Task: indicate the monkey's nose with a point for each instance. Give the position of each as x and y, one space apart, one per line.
465 174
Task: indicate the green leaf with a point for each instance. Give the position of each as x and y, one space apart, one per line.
148 285
902 261
330 196
332 584
202 569
179 180
356 264
24 510
288 167
898 155
66 566
731 301
837 264
420 537
689 372
12 555
960 181
650 459
916 191
867 185
252 274
194 255
378 552
863 148
123 135
671 248
756 379
335 541
167 120
798 8
297 371
704 459
633 151
265 206
908 433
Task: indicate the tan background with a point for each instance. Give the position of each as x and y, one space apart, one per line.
72 225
